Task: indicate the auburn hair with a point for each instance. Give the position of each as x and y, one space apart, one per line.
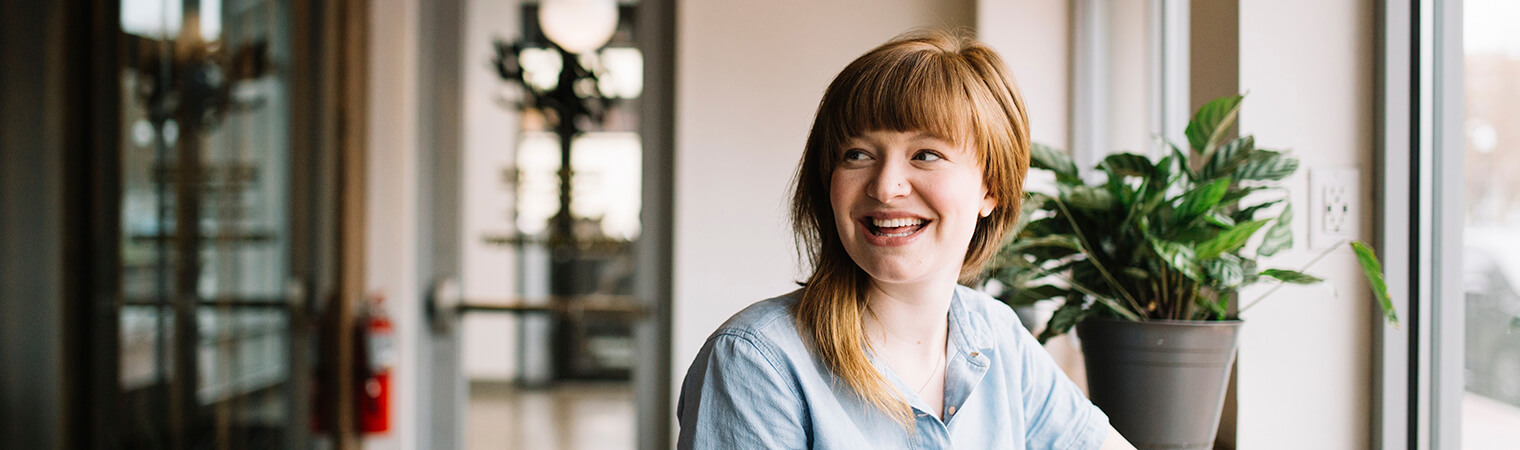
952 87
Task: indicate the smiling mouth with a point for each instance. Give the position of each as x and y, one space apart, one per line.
895 227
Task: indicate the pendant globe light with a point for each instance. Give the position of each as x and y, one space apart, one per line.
578 26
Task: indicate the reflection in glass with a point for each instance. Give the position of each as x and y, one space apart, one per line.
1491 263
205 332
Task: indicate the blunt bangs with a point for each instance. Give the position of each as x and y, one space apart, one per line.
914 88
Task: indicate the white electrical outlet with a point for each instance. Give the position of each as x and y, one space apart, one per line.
1334 206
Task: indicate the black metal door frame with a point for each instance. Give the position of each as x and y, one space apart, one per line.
81 97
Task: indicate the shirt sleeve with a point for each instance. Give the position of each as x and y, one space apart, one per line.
736 396
1058 414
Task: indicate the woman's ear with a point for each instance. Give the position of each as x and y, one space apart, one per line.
989 204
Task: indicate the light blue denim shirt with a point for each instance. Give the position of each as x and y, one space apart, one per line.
756 385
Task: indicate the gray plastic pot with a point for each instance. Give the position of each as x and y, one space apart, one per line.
1161 382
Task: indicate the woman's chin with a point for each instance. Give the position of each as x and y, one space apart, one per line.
894 274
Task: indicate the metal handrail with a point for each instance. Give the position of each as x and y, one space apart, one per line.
610 304
445 304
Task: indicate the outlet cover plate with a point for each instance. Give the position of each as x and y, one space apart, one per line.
1335 208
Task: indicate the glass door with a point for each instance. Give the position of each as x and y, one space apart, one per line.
211 323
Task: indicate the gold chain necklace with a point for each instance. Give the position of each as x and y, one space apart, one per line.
938 366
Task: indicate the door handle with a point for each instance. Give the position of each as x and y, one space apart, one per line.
295 293
443 304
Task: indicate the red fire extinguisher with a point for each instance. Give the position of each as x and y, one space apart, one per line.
377 359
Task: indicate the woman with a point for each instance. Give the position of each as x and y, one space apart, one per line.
911 175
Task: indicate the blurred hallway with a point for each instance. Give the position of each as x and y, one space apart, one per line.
571 416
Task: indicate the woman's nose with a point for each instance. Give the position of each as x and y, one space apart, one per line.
889 182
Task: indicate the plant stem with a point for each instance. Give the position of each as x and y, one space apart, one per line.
1192 300
1176 295
1087 249
1155 288
1181 300
1166 290
1182 291
1123 311
1079 288
1280 283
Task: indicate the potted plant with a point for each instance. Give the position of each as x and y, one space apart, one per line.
1148 259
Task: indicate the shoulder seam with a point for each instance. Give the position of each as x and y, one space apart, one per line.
765 351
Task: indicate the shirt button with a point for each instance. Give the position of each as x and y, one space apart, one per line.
951 412
975 354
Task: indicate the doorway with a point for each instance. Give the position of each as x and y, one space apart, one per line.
545 191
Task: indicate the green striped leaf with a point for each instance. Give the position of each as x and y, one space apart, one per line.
1059 241
1229 240
1228 158
1193 235
1201 199
1181 163
1165 170
1249 213
1087 198
1236 195
1049 253
1127 165
1280 236
1063 319
1374 271
1045 157
1228 271
1046 226
1211 123
1291 276
1267 165
1178 256
1220 220
1030 295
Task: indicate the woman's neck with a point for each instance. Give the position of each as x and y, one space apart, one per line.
916 312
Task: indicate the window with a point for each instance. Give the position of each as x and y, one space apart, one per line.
1491 225
1451 144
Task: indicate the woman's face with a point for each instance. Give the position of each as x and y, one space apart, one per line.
906 204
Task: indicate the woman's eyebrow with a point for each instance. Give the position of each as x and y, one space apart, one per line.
860 141
924 135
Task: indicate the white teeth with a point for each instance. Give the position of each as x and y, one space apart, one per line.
894 223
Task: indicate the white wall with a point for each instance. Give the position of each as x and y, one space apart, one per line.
490 138
1034 37
1129 115
748 78
390 242
1305 354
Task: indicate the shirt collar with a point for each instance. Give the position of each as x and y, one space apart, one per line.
969 331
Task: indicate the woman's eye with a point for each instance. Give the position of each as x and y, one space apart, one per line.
927 155
854 155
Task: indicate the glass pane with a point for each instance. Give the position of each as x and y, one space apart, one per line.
205 329
1491 406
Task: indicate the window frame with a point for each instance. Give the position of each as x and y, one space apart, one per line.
1417 392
